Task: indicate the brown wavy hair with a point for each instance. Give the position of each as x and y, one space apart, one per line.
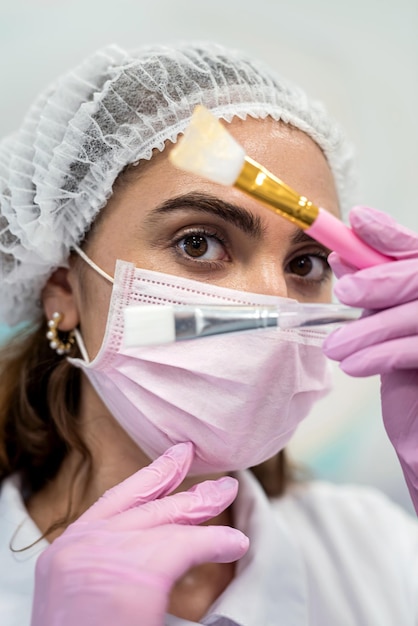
39 405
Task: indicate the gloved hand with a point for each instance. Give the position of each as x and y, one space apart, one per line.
385 340
118 562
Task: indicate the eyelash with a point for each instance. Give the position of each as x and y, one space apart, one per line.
205 232
322 255
212 233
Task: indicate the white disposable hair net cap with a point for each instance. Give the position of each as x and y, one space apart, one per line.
58 171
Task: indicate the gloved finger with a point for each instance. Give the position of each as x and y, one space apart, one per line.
399 388
167 551
382 358
205 544
157 479
339 266
199 504
375 328
383 233
381 286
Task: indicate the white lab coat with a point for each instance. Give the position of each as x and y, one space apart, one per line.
320 556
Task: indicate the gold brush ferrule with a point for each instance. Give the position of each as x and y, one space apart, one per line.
259 183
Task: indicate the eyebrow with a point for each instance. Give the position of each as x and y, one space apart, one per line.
212 205
206 203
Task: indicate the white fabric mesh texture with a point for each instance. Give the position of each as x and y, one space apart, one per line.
57 172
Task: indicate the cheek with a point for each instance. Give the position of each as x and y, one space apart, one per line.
93 301
321 293
326 293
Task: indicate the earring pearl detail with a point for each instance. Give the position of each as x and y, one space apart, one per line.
60 347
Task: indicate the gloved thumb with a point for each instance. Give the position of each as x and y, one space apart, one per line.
383 233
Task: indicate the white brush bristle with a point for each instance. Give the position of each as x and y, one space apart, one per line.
207 149
148 325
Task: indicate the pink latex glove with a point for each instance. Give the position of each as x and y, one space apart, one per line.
118 562
385 340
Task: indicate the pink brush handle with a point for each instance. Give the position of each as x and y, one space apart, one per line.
330 231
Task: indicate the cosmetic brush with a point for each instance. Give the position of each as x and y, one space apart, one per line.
158 324
209 150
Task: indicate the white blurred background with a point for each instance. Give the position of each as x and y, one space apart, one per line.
359 57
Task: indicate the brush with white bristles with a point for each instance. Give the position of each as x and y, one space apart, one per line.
208 150
148 324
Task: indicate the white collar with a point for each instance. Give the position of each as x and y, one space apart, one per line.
20 531
270 584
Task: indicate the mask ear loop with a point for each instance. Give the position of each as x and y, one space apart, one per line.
93 265
80 345
110 279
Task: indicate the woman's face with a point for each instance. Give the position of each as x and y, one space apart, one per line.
169 221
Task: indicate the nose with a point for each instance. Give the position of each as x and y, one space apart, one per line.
267 277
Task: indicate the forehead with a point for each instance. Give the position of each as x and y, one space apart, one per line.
286 151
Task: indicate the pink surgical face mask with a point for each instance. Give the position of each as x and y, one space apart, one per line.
238 397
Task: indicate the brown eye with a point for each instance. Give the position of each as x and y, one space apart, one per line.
202 246
309 266
195 245
301 266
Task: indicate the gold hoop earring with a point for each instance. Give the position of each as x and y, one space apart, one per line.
60 347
